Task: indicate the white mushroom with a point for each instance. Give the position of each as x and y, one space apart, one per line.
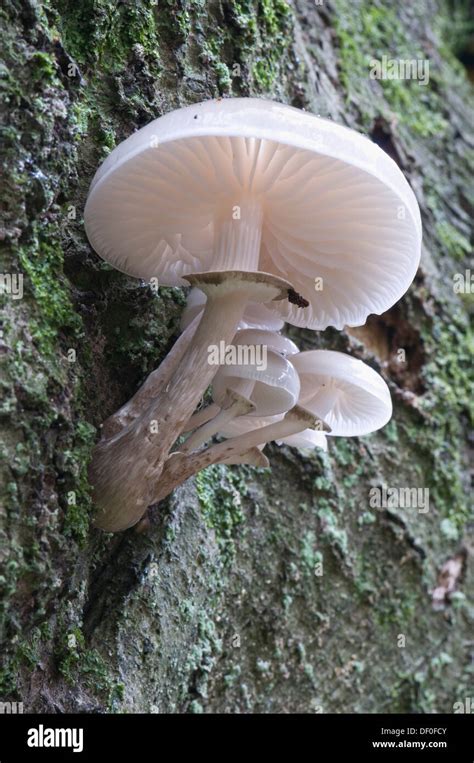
235 196
267 378
258 376
267 338
347 393
326 201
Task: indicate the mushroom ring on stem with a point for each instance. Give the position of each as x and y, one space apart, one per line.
256 315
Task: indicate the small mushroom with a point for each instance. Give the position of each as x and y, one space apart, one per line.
347 393
271 383
268 384
350 396
180 466
267 338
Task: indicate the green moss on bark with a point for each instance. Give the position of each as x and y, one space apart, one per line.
219 607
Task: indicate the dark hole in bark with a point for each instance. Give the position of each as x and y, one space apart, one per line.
387 336
381 135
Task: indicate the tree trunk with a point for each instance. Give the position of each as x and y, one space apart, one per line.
251 590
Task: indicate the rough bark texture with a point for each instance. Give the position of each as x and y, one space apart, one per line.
219 605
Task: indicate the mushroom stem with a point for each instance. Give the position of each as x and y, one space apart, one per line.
209 412
125 466
239 234
296 420
253 457
324 400
234 405
180 466
152 385
201 417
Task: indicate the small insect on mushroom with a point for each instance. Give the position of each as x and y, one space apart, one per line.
236 202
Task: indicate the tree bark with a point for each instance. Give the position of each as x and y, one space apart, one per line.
250 590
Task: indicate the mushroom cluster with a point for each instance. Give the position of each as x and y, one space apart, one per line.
271 215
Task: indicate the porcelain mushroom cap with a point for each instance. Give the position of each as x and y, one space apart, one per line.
347 393
270 382
322 201
270 339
